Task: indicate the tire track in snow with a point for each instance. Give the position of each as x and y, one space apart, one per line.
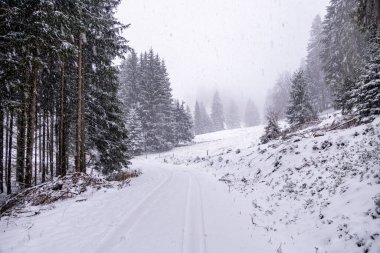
186 243
132 217
203 230
194 230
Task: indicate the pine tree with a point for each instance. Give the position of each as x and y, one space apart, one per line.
217 114
342 51
366 95
146 87
198 124
56 60
300 109
319 91
135 133
232 116
130 91
272 130
182 124
251 115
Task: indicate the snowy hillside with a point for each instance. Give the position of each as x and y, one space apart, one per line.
304 194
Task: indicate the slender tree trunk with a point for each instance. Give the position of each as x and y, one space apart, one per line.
83 125
377 10
9 173
62 125
6 145
47 143
50 134
43 118
1 148
36 152
31 128
21 127
57 143
78 155
39 127
52 146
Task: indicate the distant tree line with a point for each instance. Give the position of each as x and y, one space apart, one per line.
58 89
155 121
219 119
342 69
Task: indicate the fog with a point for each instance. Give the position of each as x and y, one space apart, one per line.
236 47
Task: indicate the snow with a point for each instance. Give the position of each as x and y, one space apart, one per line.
225 193
167 209
307 194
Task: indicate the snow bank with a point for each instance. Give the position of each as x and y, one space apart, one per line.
304 194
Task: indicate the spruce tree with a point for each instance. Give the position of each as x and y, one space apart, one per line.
146 87
300 109
272 130
217 114
182 124
319 91
366 95
135 133
130 79
198 124
342 51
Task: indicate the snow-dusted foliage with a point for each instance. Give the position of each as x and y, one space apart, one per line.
202 121
183 124
366 95
135 132
146 87
217 113
59 85
272 130
342 51
300 109
319 91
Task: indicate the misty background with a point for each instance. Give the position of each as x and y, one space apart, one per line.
236 47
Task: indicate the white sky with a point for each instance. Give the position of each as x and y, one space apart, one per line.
236 46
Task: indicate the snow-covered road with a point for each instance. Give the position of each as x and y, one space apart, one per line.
184 211
167 209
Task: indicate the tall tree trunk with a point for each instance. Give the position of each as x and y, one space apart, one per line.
78 155
1 148
47 142
43 119
9 172
35 151
39 127
50 129
31 128
62 125
57 142
83 125
51 147
6 145
21 127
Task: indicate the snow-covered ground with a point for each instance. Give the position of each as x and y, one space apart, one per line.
307 194
225 193
167 209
